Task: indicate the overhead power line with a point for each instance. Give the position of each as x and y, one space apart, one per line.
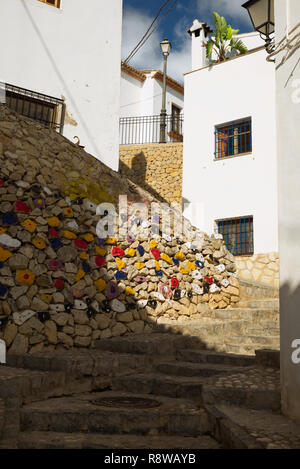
138 47
148 33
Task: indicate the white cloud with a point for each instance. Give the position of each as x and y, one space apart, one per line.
227 8
135 23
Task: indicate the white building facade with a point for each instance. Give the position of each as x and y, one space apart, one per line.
141 103
229 156
69 51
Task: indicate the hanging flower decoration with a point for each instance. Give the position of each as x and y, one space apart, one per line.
175 261
111 241
180 256
112 290
53 233
153 244
83 256
68 212
167 259
55 264
59 284
9 218
29 225
117 251
157 266
47 298
177 294
129 291
39 203
120 276
100 261
69 235
3 291
140 265
196 275
139 279
191 265
174 282
158 273
77 293
21 207
86 267
53 221
130 238
88 237
120 264
199 264
131 252
55 243
141 250
100 284
80 244
39 243
4 255
102 252
183 271
2 230
25 277
155 253
209 280
80 275
165 290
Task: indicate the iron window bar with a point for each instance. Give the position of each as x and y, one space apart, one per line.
146 129
237 234
234 138
45 109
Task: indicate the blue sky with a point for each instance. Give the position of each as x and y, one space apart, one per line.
138 15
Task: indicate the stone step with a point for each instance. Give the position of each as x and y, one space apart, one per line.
251 289
240 349
55 440
266 342
187 369
254 314
206 356
116 413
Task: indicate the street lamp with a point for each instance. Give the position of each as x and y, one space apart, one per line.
165 48
261 13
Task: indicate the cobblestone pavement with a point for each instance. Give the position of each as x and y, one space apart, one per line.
254 378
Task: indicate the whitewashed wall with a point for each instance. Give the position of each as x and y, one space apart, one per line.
75 52
238 186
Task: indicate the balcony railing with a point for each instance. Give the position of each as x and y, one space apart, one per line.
146 129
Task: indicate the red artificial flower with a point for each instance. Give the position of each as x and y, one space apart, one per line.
53 233
80 244
117 252
209 280
174 282
155 253
1 182
100 261
22 207
59 284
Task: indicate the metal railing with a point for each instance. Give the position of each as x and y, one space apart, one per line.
234 138
146 129
46 109
237 234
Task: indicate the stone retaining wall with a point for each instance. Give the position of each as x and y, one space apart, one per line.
61 286
155 167
260 267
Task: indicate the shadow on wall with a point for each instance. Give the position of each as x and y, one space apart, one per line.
138 174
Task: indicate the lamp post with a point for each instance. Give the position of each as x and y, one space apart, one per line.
261 13
165 48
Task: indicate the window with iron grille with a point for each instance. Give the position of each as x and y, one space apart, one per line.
54 3
233 138
45 109
237 234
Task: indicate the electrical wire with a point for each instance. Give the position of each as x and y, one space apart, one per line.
144 36
146 39
286 44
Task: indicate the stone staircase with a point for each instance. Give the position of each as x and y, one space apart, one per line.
251 325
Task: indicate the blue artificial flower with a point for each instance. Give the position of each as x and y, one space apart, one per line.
120 275
9 219
55 243
86 267
141 250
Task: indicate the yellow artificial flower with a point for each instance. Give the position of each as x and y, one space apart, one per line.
39 243
83 256
46 298
140 265
121 264
25 277
102 252
166 258
80 274
4 255
129 291
180 256
29 225
53 221
100 284
183 270
2 230
68 212
157 266
191 265
69 235
153 244
131 252
88 237
111 241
